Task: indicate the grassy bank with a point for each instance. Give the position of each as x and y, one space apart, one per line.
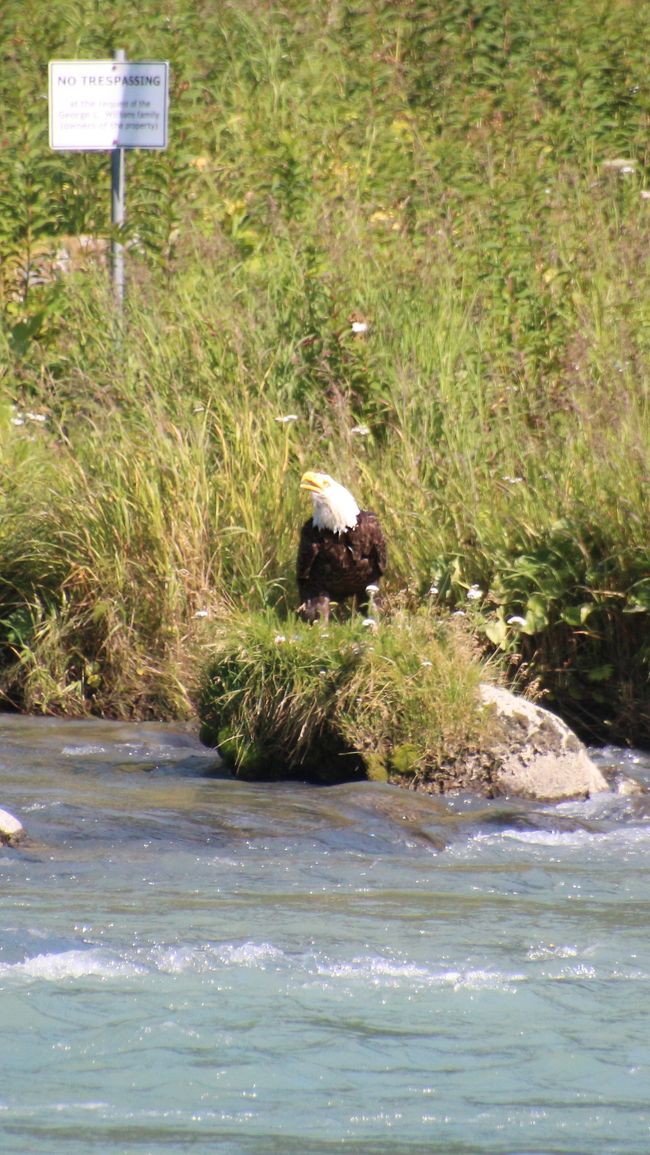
470 181
396 702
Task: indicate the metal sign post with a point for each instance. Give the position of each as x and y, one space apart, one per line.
109 105
118 207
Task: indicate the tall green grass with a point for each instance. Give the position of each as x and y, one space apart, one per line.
470 181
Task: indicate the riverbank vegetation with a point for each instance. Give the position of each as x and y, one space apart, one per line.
402 242
398 701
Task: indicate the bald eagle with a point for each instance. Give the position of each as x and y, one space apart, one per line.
342 549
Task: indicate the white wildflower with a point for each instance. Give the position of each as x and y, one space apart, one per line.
512 480
370 624
426 662
201 614
36 416
474 593
433 590
360 430
287 418
372 589
359 326
279 638
516 620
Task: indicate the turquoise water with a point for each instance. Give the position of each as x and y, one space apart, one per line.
189 963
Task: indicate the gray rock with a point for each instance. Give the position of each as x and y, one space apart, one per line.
11 830
535 755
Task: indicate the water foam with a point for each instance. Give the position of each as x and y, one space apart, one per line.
70 964
210 957
84 963
369 970
384 972
620 841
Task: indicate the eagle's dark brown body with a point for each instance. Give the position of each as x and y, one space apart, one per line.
337 566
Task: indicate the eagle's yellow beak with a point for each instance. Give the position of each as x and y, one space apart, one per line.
314 482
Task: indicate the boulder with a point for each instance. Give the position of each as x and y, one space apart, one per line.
11 830
534 753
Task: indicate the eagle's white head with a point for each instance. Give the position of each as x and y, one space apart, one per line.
334 505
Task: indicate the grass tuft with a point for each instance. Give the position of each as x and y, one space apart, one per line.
399 701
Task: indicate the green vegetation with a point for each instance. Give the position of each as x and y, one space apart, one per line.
400 702
466 178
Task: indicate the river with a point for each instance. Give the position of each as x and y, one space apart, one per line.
189 963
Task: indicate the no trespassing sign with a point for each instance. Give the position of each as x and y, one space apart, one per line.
107 104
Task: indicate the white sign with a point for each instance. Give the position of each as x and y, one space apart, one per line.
107 104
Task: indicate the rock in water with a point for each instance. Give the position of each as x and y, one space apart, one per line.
11 830
536 754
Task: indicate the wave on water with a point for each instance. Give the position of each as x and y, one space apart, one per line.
379 971
311 969
70 964
96 962
249 955
367 969
83 751
580 837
